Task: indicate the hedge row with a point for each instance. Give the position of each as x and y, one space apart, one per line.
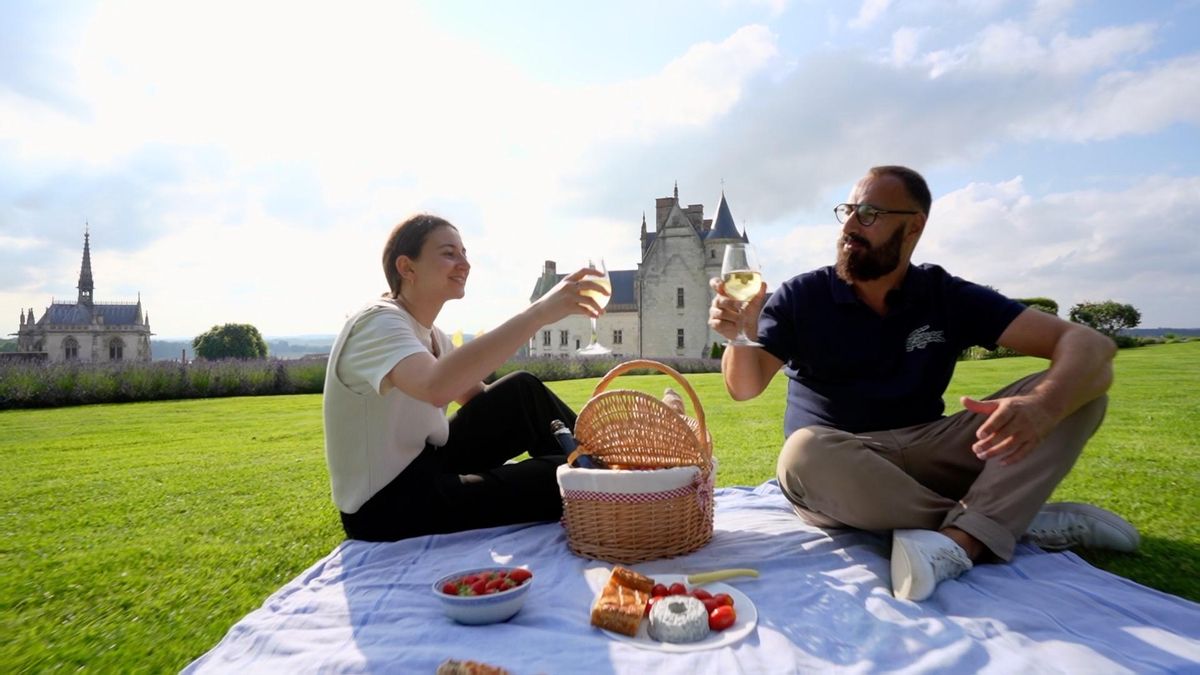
43 385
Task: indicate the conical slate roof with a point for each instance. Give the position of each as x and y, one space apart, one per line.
723 227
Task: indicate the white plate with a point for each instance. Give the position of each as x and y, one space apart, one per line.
747 619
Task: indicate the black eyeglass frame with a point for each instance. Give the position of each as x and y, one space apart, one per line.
867 213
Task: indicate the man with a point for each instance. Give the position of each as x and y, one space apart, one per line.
869 346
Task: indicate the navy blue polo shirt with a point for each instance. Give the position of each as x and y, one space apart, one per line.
855 370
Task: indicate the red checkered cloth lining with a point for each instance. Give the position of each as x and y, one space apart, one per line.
636 498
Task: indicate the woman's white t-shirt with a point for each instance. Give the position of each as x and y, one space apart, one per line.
372 429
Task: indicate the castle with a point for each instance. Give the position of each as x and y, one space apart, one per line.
84 330
659 309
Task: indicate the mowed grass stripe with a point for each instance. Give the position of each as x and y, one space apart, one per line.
135 535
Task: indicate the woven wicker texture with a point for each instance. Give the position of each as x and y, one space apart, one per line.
631 429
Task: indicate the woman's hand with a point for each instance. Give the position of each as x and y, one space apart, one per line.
568 298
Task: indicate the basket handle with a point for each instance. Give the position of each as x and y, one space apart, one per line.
622 368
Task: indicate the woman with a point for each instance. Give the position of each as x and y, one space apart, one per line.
398 466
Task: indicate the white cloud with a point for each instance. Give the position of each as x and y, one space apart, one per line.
1049 12
1133 245
1010 48
1125 102
287 166
905 45
868 12
203 146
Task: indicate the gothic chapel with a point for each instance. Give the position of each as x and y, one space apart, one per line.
84 330
659 309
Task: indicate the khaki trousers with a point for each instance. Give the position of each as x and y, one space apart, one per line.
927 477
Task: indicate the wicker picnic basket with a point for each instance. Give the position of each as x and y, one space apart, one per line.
632 429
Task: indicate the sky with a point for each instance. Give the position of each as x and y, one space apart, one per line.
243 162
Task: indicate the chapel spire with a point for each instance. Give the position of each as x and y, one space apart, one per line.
85 271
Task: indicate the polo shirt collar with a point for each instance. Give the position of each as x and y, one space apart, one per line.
910 286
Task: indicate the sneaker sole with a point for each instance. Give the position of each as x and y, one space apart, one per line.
1115 522
902 573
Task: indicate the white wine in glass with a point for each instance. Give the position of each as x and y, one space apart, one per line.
742 278
594 348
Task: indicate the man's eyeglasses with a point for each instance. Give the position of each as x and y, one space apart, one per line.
866 213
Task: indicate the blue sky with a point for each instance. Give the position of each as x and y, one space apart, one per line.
243 162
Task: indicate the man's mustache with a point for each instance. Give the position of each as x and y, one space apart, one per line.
848 238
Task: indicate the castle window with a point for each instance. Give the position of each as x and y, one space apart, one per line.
679 339
563 338
545 338
616 337
679 297
70 349
116 349
712 253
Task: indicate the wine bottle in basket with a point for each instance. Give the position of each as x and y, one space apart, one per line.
567 442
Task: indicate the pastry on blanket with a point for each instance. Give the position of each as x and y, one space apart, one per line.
453 667
622 602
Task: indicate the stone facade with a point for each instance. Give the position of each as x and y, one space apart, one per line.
659 309
86 331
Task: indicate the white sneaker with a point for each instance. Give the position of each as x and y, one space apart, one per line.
922 558
1063 525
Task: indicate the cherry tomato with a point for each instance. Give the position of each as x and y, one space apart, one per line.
724 598
701 594
450 588
722 617
650 603
712 603
677 589
659 591
520 575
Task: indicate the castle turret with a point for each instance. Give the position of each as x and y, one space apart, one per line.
85 273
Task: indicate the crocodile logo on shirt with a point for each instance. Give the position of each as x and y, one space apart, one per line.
922 338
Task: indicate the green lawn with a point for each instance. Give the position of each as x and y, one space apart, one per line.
135 535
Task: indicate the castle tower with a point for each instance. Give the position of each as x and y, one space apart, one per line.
85 273
723 232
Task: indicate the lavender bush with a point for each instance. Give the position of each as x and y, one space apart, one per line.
38 385
42 385
549 369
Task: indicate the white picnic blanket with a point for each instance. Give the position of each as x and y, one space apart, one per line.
824 604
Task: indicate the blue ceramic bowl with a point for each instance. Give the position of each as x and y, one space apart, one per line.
481 609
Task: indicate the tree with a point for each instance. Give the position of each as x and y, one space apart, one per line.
1045 304
231 341
1108 317
717 351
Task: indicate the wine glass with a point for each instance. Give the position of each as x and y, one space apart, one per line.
595 348
743 278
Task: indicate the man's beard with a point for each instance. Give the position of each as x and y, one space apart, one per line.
868 263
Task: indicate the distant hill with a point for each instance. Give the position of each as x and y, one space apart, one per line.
1159 332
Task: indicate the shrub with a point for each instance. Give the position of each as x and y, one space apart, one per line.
1045 304
1108 317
